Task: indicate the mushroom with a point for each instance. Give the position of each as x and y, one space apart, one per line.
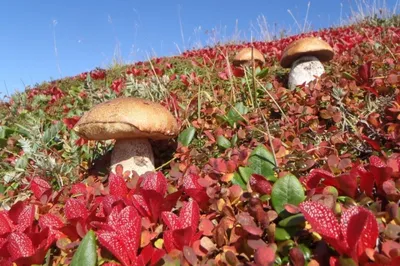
245 56
304 57
131 122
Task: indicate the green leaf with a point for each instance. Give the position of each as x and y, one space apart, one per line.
281 234
242 177
293 220
186 136
306 251
262 162
3 142
234 140
287 189
223 142
21 163
346 261
86 253
347 75
236 113
237 180
51 132
5 132
263 73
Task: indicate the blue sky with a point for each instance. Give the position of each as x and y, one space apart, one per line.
42 40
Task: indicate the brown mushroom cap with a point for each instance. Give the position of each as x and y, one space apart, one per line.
244 57
311 46
127 118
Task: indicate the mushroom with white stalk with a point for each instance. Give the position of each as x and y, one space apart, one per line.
131 122
304 57
247 56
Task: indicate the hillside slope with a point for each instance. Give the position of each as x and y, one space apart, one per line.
248 146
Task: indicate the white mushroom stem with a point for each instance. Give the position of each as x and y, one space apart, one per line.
304 69
133 154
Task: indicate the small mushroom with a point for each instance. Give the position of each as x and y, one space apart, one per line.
245 56
131 122
304 57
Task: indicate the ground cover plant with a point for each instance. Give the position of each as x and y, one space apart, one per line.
259 174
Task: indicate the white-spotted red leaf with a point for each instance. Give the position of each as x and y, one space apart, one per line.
22 214
379 170
75 209
40 187
6 224
169 240
359 228
141 205
129 229
171 220
19 245
324 222
155 181
117 185
51 221
112 242
189 215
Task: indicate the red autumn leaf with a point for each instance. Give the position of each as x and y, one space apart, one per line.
111 241
75 209
19 246
320 176
71 121
324 222
6 224
78 188
189 215
171 220
141 205
117 85
260 185
154 181
182 227
364 71
51 221
154 202
366 179
81 141
360 229
22 215
40 187
379 170
264 256
297 257
98 74
196 191
122 237
390 245
348 184
374 144
117 185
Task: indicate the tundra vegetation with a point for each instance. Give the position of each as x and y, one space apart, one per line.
258 175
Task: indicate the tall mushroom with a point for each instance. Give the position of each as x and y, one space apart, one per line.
131 122
304 57
245 56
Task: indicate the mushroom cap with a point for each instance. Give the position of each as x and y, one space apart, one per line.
244 56
127 118
307 46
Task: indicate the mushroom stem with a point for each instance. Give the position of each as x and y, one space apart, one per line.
305 69
134 155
